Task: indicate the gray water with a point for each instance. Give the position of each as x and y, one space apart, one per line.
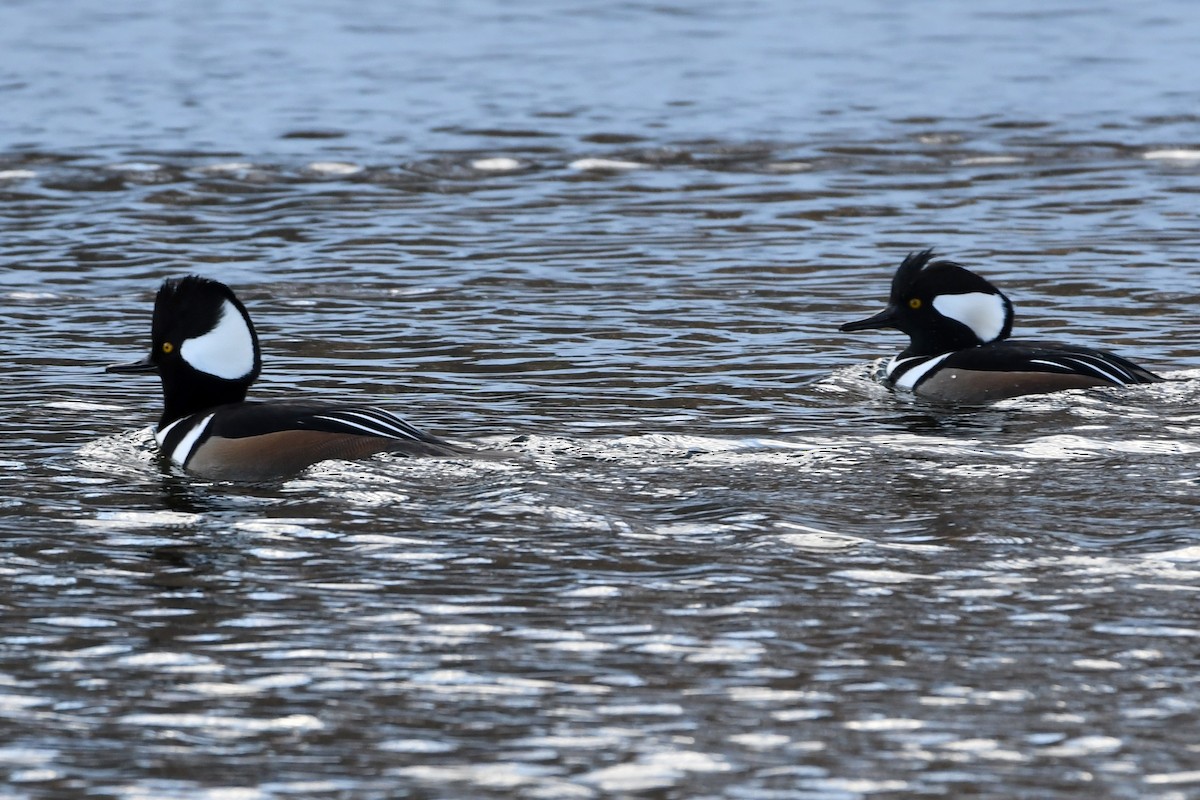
613 242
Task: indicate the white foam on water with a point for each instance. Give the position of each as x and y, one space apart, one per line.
334 168
498 164
605 165
1176 154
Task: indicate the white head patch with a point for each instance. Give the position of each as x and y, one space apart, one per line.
227 351
982 312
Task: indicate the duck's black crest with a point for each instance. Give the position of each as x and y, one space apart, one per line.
908 271
190 306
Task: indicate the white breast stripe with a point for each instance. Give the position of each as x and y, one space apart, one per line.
908 379
161 436
184 449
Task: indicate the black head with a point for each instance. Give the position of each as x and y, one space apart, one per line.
942 307
202 344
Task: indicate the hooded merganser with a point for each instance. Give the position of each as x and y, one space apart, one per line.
959 352
204 347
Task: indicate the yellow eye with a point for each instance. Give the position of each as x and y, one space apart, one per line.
915 303
168 348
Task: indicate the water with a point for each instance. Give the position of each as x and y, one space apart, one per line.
613 241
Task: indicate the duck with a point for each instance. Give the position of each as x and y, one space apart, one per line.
205 350
959 350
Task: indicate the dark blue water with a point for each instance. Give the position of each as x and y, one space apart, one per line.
614 242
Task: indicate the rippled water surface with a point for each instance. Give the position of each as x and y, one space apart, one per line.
611 242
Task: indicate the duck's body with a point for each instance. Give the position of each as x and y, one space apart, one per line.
253 441
206 351
959 350
1011 368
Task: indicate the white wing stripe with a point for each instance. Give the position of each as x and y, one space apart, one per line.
1054 364
384 420
1096 369
372 423
1093 364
